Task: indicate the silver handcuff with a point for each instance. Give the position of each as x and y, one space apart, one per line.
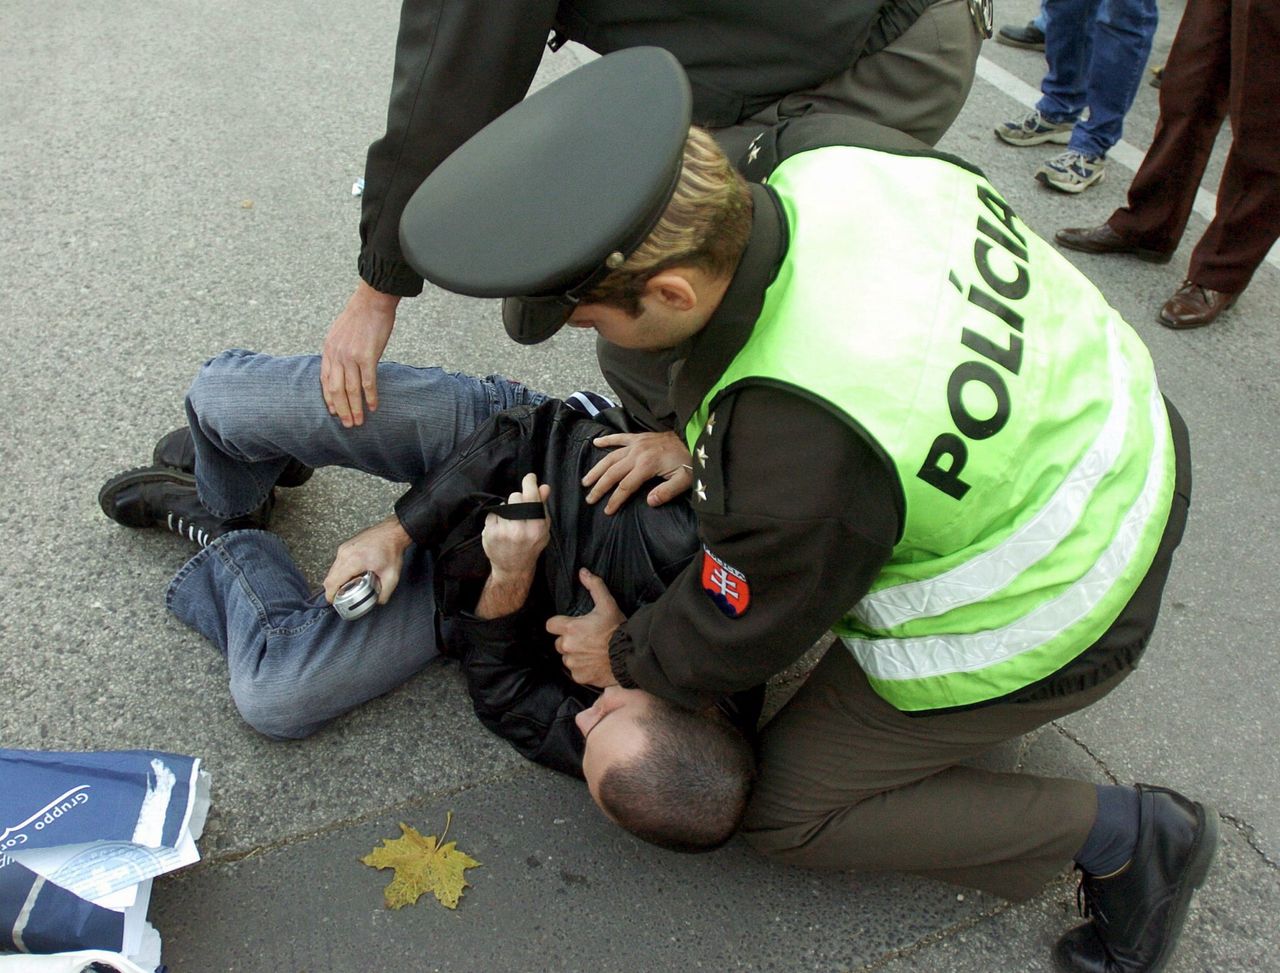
984 16
358 597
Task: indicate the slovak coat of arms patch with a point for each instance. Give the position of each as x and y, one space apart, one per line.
726 585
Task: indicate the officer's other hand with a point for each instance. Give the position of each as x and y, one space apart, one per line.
633 460
349 359
379 549
583 640
513 546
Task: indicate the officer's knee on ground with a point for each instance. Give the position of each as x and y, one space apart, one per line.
780 826
787 844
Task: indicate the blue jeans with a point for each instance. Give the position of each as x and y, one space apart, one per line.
294 663
1096 51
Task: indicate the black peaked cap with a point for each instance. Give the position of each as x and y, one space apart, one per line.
534 203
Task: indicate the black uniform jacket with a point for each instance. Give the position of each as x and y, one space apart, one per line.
460 64
518 686
798 511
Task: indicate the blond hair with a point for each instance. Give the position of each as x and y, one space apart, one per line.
705 226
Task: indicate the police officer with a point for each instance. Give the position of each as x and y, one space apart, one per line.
907 64
909 421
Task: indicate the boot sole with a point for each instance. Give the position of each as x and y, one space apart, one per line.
1008 41
135 477
1143 254
1197 871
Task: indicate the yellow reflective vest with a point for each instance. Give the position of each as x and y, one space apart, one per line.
1019 411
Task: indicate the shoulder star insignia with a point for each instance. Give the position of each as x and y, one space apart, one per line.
702 456
701 491
711 423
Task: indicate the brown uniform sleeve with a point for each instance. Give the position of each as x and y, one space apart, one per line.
805 510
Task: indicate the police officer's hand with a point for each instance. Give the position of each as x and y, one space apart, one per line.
583 640
513 546
349 359
634 459
379 549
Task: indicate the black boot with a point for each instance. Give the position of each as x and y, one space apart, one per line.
155 496
177 450
1029 37
1137 913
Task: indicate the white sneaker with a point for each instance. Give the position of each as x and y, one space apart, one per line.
1034 129
1072 172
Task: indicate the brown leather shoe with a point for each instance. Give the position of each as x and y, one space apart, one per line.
1103 239
1193 306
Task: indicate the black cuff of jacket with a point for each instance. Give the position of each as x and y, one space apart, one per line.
619 649
388 274
412 510
505 638
504 628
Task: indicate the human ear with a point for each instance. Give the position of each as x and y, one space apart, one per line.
672 290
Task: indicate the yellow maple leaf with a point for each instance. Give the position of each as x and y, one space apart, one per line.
422 865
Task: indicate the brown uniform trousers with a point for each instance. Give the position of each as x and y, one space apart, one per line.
849 782
1225 60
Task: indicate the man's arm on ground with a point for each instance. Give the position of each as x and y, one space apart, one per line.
518 688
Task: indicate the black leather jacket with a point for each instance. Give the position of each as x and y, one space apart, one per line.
518 687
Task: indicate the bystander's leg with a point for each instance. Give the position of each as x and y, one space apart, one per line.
1247 221
1193 102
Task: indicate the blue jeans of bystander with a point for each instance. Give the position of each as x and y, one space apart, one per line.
1096 50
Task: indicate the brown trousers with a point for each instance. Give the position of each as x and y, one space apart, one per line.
1225 60
849 782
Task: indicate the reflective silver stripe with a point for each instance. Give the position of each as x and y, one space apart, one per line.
982 576
24 914
939 655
